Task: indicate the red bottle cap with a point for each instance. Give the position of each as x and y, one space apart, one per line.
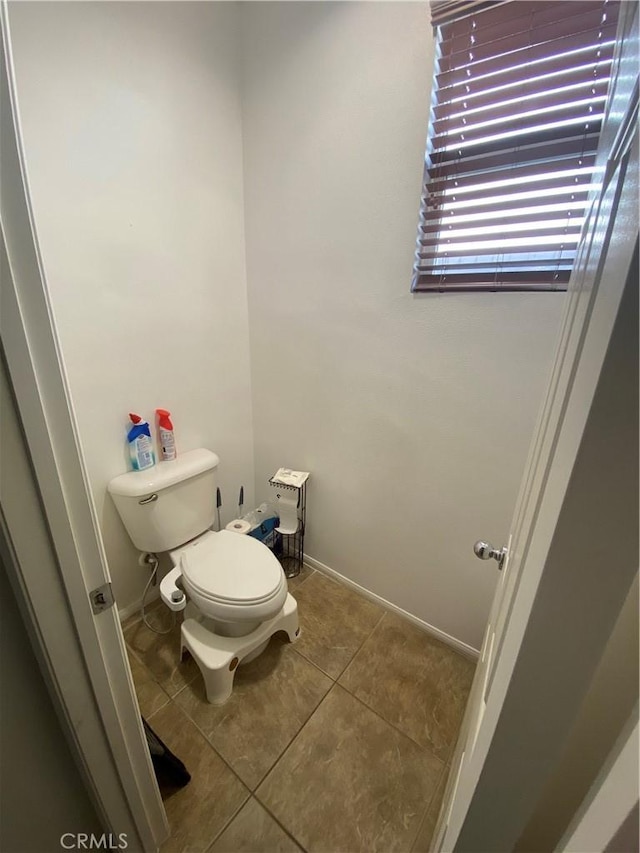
165 420
135 419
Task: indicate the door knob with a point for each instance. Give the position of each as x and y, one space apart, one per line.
486 551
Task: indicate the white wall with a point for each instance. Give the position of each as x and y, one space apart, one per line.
132 131
414 413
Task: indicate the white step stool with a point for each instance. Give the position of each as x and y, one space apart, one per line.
218 657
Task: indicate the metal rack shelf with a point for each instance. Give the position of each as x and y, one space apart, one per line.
289 547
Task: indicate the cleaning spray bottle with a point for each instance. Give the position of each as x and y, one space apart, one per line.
140 444
167 438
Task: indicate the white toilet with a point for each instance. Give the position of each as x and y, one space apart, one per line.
232 586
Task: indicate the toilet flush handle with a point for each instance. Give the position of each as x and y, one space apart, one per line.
148 500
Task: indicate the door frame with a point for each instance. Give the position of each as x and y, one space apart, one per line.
499 770
608 816
83 654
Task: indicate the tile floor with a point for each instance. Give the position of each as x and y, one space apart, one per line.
339 743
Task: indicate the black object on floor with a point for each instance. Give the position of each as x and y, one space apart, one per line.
170 771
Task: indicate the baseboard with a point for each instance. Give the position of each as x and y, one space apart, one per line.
131 609
458 645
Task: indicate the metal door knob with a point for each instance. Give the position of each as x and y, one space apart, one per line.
486 551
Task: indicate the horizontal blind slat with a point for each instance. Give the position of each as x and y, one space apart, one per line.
453 238
515 215
555 53
574 117
535 157
580 29
519 96
456 116
482 183
534 224
530 27
510 282
443 11
476 94
519 142
466 266
500 204
508 15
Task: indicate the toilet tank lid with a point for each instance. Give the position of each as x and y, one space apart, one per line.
137 483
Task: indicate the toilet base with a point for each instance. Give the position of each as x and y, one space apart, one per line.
218 657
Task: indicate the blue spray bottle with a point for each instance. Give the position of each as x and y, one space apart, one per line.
140 444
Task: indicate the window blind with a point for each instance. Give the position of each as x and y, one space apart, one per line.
519 96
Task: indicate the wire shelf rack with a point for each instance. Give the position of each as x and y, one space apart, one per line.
289 547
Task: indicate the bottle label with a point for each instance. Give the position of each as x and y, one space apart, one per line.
167 444
142 455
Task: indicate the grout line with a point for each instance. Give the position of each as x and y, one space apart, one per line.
317 666
336 680
230 821
444 761
447 639
221 757
339 583
312 572
152 679
281 825
181 710
443 775
393 726
289 742
292 741
360 647
371 708
252 792
312 663
444 768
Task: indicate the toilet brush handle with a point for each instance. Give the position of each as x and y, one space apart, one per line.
240 501
218 505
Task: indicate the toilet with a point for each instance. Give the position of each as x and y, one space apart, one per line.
232 588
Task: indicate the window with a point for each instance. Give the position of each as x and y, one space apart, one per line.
518 99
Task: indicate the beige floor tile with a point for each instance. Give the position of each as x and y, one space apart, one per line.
272 698
294 583
425 835
160 653
150 609
200 810
253 830
415 682
151 697
334 620
351 782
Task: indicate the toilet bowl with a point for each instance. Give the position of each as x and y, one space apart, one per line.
234 593
232 588
231 578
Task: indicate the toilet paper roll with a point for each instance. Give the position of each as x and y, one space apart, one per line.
238 525
287 506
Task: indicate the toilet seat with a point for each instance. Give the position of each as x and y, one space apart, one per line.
230 576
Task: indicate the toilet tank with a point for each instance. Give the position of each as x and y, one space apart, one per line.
169 504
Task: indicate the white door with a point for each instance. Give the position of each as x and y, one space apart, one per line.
604 260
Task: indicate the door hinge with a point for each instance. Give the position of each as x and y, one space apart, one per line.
101 598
